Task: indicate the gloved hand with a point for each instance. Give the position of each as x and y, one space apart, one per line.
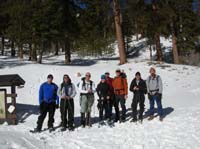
57 106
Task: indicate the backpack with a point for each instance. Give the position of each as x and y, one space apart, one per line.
157 80
83 85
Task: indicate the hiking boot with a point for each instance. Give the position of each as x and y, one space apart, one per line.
36 130
134 120
88 120
151 117
71 128
116 120
161 118
51 129
63 129
83 120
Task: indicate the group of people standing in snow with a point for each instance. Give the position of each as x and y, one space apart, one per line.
112 92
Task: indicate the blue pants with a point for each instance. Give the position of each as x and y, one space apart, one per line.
157 99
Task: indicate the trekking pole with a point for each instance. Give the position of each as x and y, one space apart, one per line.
94 109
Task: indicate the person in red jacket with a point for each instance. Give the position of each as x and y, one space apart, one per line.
109 81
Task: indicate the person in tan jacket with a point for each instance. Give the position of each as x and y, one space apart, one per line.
120 86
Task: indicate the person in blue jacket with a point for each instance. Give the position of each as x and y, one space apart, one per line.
49 102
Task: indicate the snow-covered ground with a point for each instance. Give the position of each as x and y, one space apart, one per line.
181 102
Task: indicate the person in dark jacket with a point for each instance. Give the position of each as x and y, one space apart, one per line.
49 102
109 81
103 90
139 89
67 92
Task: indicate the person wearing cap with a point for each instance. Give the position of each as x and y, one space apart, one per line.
49 101
103 90
120 86
155 89
87 90
139 89
67 92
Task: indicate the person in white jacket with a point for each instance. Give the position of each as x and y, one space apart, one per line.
67 92
87 90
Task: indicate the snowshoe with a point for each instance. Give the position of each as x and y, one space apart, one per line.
151 117
35 130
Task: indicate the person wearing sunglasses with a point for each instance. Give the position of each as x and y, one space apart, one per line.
87 90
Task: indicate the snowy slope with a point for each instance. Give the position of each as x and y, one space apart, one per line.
181 102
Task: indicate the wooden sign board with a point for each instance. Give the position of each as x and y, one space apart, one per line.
2 104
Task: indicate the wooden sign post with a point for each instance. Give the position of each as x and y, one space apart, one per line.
8 110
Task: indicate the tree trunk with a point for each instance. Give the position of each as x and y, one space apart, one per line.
13 49
67 51
174 44
30 51
119 33
33 52
41 53
175 49
21 52
136 30
158 48
56 48
2 45
151 55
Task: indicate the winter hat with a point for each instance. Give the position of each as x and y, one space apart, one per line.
50 76
103 77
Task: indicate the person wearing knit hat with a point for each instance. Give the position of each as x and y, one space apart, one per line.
103 90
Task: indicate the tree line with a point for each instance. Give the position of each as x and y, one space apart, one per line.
36 27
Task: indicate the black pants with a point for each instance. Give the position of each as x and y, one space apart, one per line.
44 109
67 112
138 98
120 99
105 105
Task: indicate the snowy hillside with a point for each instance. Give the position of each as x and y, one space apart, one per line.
181 102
